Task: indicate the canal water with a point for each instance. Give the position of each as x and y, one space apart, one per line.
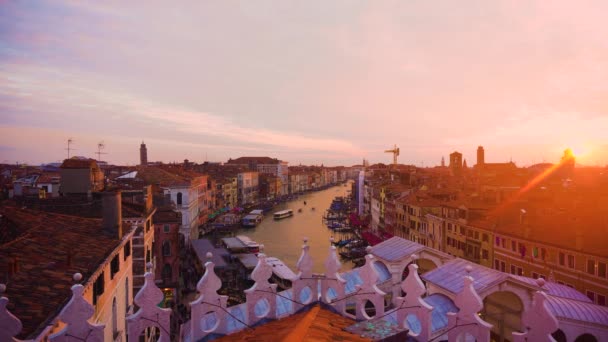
283 239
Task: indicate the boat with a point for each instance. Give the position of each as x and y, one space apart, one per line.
252 219
252 246
283 214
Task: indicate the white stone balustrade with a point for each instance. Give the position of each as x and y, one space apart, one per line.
304 279
333 280
10 326
540 322
368 291
262 290
413 303
209 302
467 321
149 314
76 315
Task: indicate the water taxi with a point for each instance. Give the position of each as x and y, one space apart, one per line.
283 214
252 219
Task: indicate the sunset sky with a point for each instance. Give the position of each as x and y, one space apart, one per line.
305 81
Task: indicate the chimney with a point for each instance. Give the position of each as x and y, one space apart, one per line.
112 213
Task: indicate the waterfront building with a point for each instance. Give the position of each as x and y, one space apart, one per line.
266 165
167 248
248 187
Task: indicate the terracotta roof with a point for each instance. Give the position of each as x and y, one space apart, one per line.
156 175
316 324
41 245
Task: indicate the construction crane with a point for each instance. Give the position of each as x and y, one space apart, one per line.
395 152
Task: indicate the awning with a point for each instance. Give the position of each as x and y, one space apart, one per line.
371 238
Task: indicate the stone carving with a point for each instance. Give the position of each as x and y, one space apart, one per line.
466 321
10 325
76 315
333 280
209 301
305 279
538 320
413 303
368 291
260 291
149 314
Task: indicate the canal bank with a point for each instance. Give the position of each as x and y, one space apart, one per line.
283 238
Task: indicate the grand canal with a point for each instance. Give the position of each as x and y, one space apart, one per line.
284 238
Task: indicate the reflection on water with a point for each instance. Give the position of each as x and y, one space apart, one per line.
283 238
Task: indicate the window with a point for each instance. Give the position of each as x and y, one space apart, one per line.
449 227
148 256
543 253
449 241
461 230
601 269
497 241
496 264
570 261
512 269
504 243
601 300
484 254
167 272
591 295
114 266
166 248
98 287
114 317
127 250
179 198
513 246
166 228
476 235
591 266
127 295
484 237
562 259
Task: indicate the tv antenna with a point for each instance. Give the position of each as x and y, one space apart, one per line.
70 142
100 147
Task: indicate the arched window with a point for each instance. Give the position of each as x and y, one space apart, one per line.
114 318
179 198
167 272
166 248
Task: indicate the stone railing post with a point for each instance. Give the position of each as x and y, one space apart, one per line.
261 291
10 326
304 279
333 280
368 291
466 321
149 314
413 303
209 302
539 321
76 315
